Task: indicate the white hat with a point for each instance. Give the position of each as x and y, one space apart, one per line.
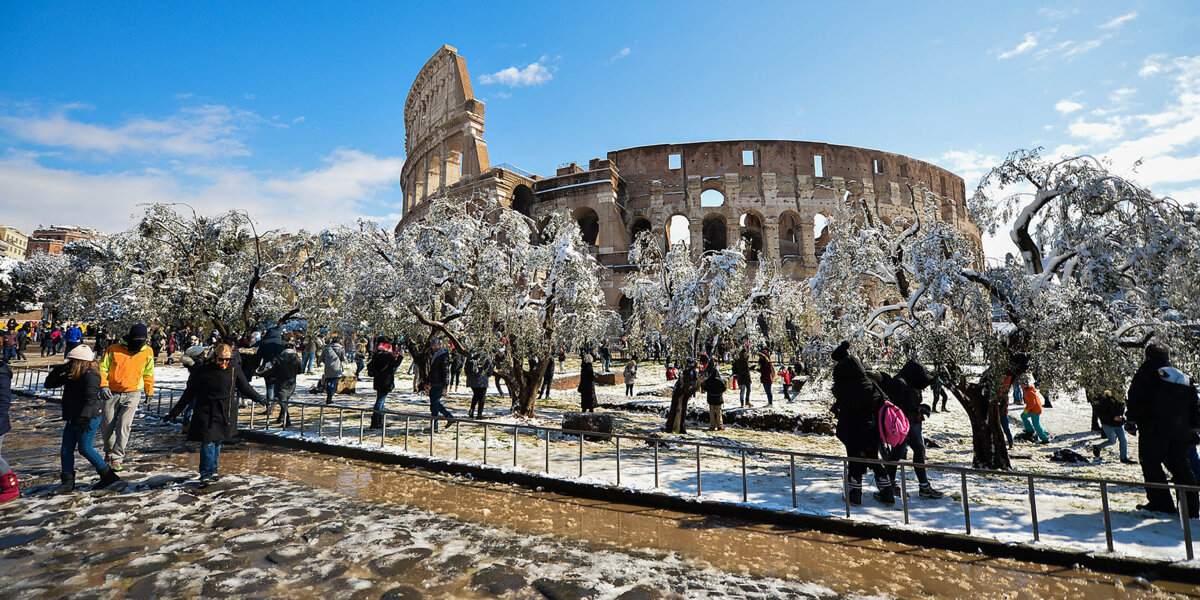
81 352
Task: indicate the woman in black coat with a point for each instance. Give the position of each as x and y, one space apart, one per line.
587 385
214 419
856 404
81 405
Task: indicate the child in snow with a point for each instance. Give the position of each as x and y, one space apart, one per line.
1031 417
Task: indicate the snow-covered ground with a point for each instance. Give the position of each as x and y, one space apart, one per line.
1069 514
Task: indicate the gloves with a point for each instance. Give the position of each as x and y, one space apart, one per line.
105 394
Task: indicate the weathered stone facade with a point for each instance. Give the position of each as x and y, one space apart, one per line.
772 193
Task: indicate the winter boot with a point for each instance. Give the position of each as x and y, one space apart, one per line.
885 495
927 491
67 486
8 487
1096 451
854 491
107 477
376 421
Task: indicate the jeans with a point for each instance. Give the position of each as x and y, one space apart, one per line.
83 439
1116 433
435 405
915 441
330 388
606 359
306 358
187 412
272 386
744 393
10 353
210 457
770 398
1033 424
378 408
4 466
1005 427
360 364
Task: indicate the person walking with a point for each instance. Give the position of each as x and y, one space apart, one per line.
436 381
22 342
82 403
714 392
904 390
214 421
741 372
785 378
9 489
270 346
382 370
10 344
286 367
1162 404
479 369
766 370
939 392
1031 417
360 357
456 369
587 385
856 405
332 356
125 371
631 369
547 380
310 351
1110 411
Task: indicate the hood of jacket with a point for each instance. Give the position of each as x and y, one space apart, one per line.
915 375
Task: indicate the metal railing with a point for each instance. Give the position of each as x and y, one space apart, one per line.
30 380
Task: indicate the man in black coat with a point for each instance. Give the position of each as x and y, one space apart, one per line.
547 379
285 368
269 347
856 405
214 419
437 380
382 370
904 390
741 372
587 385
1162 402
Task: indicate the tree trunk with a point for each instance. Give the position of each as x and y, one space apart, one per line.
420 358
686 386
525 384
984 408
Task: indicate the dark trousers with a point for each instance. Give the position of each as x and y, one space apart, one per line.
858 469
435 405
900 452
544 392
477 396
1173 454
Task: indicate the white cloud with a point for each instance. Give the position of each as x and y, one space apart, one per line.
1095 132
531 74
1121 95
350 185
619 55
1029 43
1081 48
299 119
1152 65
502 95
1119 21
207 130
1067 106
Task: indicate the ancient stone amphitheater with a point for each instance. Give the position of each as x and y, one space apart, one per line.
775 194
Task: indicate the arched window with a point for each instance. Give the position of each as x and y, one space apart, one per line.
713 233
712 198
523 199
589 225
678 230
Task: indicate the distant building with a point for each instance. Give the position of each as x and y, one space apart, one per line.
13 243
52 239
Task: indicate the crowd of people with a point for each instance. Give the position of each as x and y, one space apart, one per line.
878 415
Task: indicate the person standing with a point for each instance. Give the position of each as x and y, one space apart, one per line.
80 378
360 357
270 346
939 392
9 489
1110 411
22 342
382 370
156 342
631 368
547 380
606 354
126 369
766 376
479 369
72 337
1162 403
215 417
904 390
741 373
856 405
714 392
285 370
310 350
332 356
1031 417
587 385
436 381
456 369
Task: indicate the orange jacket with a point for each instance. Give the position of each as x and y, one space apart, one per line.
124 371
1033 400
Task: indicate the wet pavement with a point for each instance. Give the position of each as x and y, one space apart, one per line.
284 523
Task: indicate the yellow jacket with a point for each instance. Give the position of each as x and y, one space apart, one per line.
124 371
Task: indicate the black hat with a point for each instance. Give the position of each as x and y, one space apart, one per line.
841 352
137 332
1159 351
383 339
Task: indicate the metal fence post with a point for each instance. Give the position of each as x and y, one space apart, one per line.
792 474
485 436
432 430
1108 535
515 445
406 434
846 484
321 421
618 440
581 455
1187 522
362 416
341 422
904 493
383 432
965 502
457 433
1033 510
547 432
699 489
656 464
302 420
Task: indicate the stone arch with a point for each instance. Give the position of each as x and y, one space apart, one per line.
712 198
523 200
678 228
589 225
639 225
625 309
821 234
454 156
713 232
433 175
790 234
751 224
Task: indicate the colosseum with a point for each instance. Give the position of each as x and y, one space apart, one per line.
775 194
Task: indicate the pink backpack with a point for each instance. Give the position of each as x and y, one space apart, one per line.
893 425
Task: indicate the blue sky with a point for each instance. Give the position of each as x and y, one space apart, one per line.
295 111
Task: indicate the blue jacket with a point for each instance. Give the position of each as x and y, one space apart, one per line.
73 334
